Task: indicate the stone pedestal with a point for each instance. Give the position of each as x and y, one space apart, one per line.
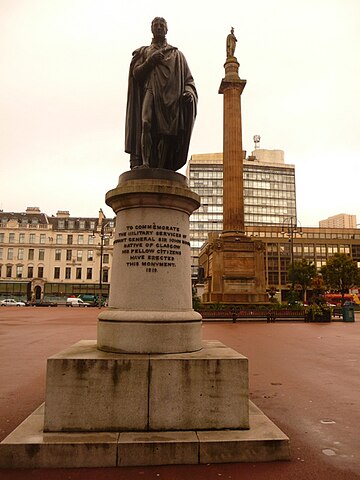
150 295
89 390
234 270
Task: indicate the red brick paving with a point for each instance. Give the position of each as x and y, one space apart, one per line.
305 377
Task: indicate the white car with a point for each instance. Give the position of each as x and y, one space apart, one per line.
76 302
10 302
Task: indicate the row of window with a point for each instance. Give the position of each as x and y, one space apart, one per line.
249 192
19 254
69 272
59 239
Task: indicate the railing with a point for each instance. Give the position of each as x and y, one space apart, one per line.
269 315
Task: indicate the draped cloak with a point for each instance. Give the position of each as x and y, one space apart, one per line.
173 117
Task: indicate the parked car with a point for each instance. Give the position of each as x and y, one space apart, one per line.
10 302
44 303
76 302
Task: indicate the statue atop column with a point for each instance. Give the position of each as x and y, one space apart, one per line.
161 104
230 43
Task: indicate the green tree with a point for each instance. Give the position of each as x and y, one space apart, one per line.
340 273
303 274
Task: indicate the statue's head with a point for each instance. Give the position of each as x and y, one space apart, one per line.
159 27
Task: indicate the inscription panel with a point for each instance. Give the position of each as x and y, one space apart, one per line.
151 247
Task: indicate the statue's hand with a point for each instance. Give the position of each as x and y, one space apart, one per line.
187 97
156 57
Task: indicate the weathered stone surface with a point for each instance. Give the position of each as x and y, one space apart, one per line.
90 390
263 442
207 389
158 448
28 447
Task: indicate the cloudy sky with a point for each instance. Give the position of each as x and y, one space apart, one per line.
63 84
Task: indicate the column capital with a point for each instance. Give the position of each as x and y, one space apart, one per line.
237 84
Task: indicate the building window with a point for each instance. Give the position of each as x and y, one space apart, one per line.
105 278
80 239
58 254
71 224
10 254
8 271
40 272
78 274
1 253
19 269
69 239
11 237
91 239
89 274
68 255
56 272
31 254
2 235
42 238
30 272
61 224
92 225
79 255
68 273
32 238
82 224
41 253
106 258
90 255
59 239
20 254
21 237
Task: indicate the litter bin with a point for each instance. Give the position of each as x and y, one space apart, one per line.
348 314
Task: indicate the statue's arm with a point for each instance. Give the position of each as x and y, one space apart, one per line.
143 67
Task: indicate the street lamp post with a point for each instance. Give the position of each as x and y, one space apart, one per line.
102 235
291 232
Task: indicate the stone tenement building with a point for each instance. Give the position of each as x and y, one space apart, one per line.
54 256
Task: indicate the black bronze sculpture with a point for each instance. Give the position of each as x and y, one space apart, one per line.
161 104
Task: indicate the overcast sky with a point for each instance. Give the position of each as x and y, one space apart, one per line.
63 86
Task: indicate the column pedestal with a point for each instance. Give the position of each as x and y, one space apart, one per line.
150 304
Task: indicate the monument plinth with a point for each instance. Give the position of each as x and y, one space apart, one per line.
150 305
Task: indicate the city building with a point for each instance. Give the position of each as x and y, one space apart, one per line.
269 193
57 256
342 220
54 256
287 243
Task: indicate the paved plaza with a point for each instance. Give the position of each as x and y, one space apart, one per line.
304 377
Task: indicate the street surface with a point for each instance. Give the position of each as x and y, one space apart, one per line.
305 377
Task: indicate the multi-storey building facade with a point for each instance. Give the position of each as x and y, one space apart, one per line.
269 193
342 220
54 256
284 245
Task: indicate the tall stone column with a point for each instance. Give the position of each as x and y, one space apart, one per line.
233 263
232 87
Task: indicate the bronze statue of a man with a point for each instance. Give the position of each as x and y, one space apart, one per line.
161 104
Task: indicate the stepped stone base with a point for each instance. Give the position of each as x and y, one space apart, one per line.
29 447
